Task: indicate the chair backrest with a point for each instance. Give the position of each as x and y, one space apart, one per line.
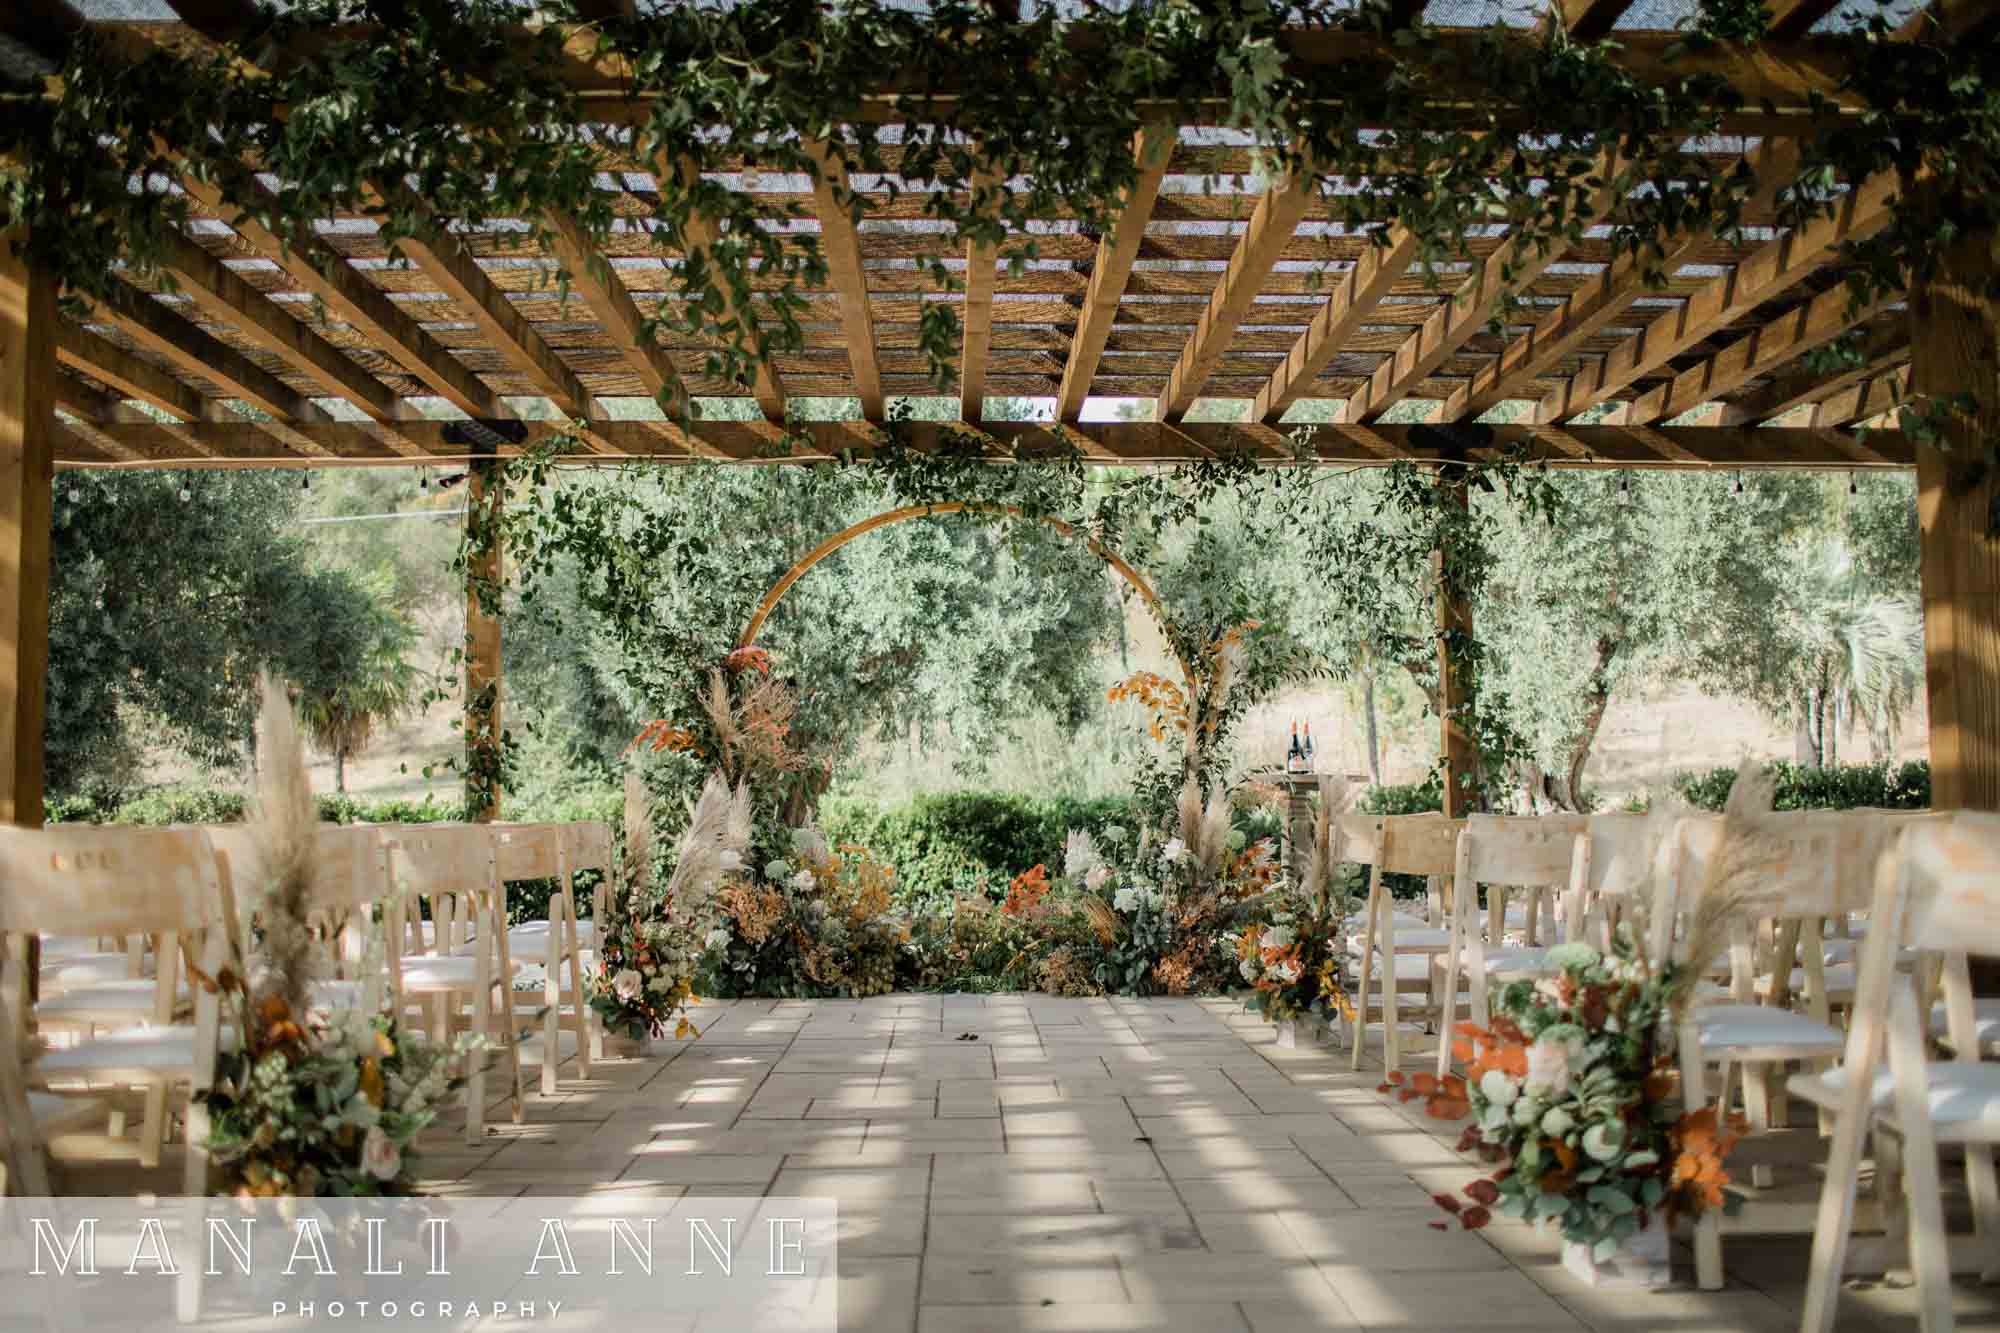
529 851
91 880
589 845
1361 838
1950 884
1519 850
428 859
1419 844
353 867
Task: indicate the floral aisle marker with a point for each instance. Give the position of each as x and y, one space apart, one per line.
818 922
1294 963
653 943
310 1103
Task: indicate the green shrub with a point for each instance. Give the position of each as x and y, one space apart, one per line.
1843 787
180 805
1410 798
955 843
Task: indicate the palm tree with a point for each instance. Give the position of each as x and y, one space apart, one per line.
1861 655
342 715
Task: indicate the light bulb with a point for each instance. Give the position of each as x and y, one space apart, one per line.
186 494
1853 484
75 496
1738 489
1625 488
305 481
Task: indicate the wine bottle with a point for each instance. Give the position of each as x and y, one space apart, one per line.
1309 748
1295 758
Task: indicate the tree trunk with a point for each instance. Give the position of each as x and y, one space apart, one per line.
1802 734
1595 701
340 769
1368 715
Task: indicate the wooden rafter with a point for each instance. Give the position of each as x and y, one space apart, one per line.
1886 345
1587 20
606 9
1812 324
590 276
981 262
107 362
841 244
1277 215
239 443
1793 19
1453 323
1117 250
227 299
325 273
1773 268
699 235
43 26
1863 401
1560 332
1355 294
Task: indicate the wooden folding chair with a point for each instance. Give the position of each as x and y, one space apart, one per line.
122 882
1549 858
1402 947
588 847
1938 889
453 871
534 852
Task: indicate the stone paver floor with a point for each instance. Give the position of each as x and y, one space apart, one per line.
1090 1165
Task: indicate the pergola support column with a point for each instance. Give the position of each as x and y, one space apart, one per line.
27 476
484 501
1454 627
1955 368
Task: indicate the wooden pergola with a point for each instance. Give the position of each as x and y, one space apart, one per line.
1212 285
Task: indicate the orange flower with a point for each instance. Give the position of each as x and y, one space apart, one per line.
1026 891
664 735
1702 1141
747 659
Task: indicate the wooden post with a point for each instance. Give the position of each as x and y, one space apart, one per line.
483 731
1955 350
27 478
1454 622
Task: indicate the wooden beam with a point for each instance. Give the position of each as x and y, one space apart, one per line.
1464 312
43 26
1355 294
228 299
591 277
1587 20
1773 268
27 474
980 261
1564 329
1793 19
1887 346
451 266
841 244
606 9
102 359
325 273
1117 250
699 235
1863 401
1277 215
1812 324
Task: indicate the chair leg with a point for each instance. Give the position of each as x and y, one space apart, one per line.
475 1084
1930 1248
194 1170
1757 1106
1985 1189
153 1129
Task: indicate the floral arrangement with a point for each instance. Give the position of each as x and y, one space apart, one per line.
1568 1085
651 946
816 924
309 1101
1293 962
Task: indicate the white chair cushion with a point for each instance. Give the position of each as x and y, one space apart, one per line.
531 938
90 969
1961 1093
1839 981
430 972
53 1114
135 1055
529 977
332 994
1409 967
1985 1019
106 1002
1510 960
1738 1027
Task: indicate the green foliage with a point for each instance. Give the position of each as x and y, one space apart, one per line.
967 842
1414 798
1845 787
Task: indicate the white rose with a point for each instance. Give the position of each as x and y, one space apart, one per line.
1497 1088
1126 900
1172 851
628 985
717 938
1548 1066
730 861
380 1157
1248 967
803 882
1097 878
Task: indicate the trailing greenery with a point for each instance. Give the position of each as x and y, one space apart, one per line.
1798 787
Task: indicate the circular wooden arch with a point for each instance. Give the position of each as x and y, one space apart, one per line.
893 516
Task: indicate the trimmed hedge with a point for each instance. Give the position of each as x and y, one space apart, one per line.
1843 787
961 842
